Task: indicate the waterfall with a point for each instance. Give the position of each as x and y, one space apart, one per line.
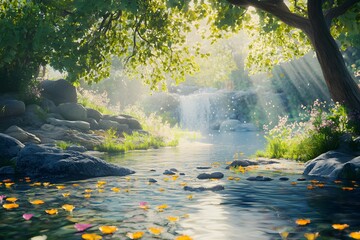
199 111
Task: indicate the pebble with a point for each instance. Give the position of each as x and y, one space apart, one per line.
216 175
259 178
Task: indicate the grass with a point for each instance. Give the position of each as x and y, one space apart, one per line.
319 132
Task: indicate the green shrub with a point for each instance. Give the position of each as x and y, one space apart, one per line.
319 131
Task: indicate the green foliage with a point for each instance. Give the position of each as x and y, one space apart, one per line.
63 145
318 132
134 141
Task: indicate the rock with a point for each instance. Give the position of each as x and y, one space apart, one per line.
72 111
11 108
168 172
34 115
109 124
182 174
284 179
334 164
81 125
151 180
214 175
7 170
94 125
131 122
92 113
9 147
201 189
60 91
173 169
21 135
49 162
48 105
233 125
259 178
203 168
241 163
301 179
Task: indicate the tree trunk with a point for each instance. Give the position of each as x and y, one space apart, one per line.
341 85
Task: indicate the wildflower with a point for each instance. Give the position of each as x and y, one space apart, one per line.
27 216
82 226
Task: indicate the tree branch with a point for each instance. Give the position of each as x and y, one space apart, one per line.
278 9
339 10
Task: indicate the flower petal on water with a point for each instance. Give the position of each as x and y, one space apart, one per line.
155 230
135 235
108 229
183 237
91 236
51 211
27 216
340 226
115 189
11 199
66 194
355 235
68 207
311 236
60 187
10 205
82 226
173 219
302 222
37 202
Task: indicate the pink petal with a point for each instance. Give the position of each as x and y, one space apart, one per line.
2 197
82 226
27 216
143 204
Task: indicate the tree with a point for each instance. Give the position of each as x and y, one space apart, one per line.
81 36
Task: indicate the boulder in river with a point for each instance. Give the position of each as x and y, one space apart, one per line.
214 175
11 107
201 189
53 163
334 164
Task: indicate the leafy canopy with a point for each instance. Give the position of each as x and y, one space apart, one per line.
80 37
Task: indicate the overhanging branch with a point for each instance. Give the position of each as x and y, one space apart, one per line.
339 10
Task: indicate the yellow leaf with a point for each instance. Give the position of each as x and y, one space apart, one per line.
155 230
9 184
174 177
302 222
135 235
284 235
183 237
76 185
68 207
161 189
88 195
355 235
340 226
115 189
311 236
66 194
37 202
347 188
163 206
88 190
10 205
51 211
60 187
173 219
108 229
189 196
91 236
101 190
46 184
11 199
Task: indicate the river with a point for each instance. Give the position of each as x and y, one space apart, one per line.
243 210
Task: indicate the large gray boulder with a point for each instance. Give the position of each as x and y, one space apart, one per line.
95 114
72 111
21 135
81 125
132 123
49 162
60 91
109 124
34 115
9 147
334 164
11 108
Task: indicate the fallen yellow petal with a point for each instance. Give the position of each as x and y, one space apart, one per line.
155 230
88 190
189 196
88 195
60 187
51 211
115 189
311 236
10 205
183 237
68 207
302 222
11 199
340 226
46 184
135 235
91 236
37 202
108 229
66 194
173 219
347 188
355 235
